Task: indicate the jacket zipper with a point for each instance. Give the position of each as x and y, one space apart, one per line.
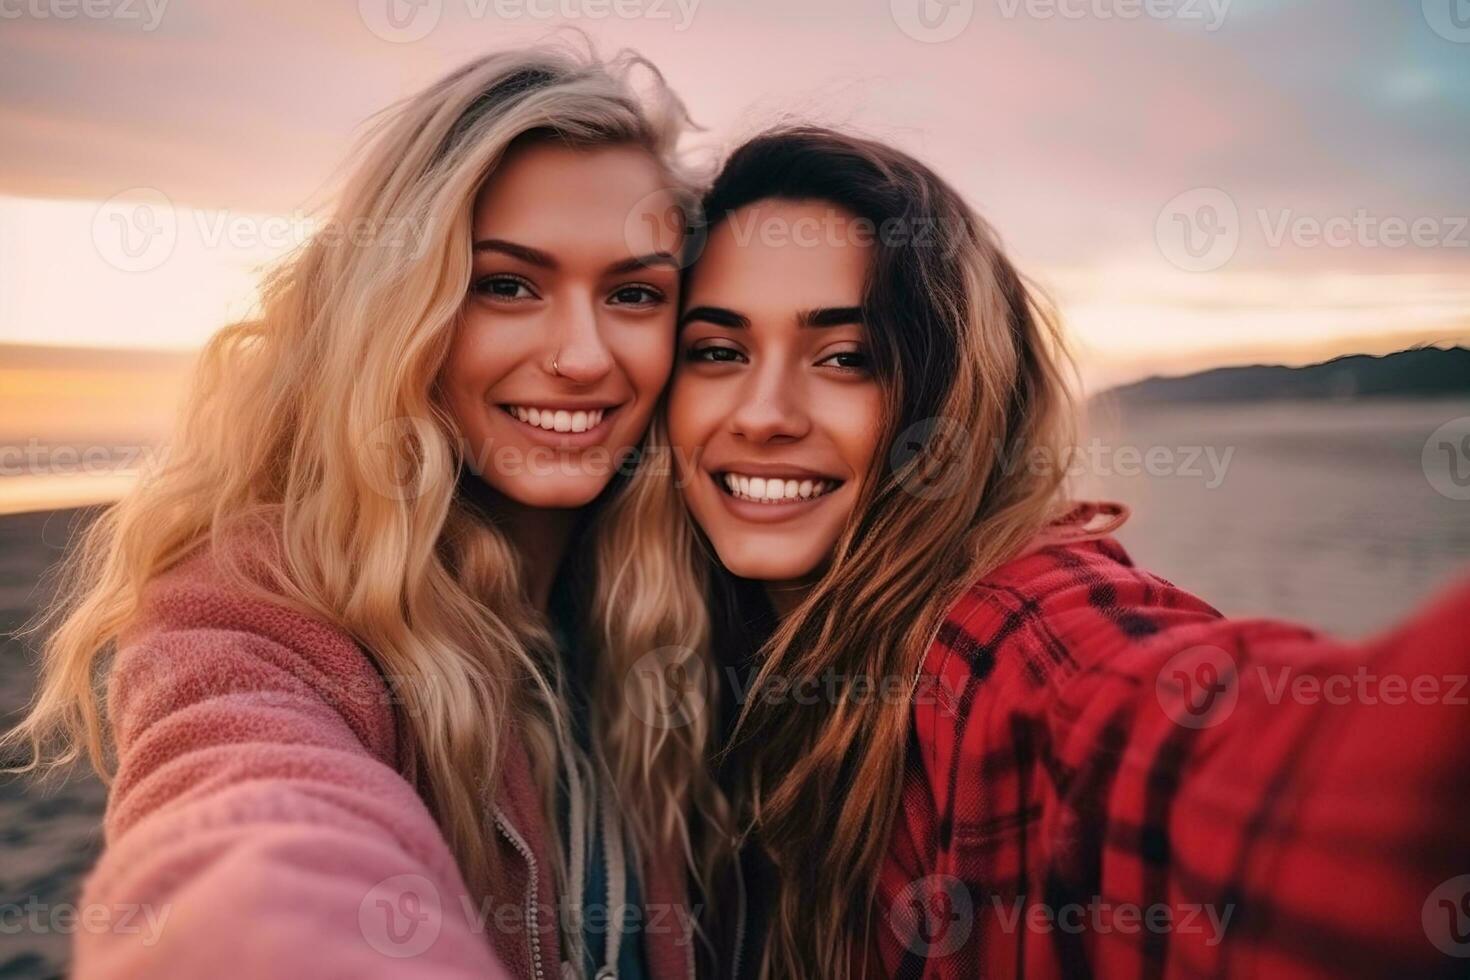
519 843
739 923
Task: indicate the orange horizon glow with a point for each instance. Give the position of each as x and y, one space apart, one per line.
1190 194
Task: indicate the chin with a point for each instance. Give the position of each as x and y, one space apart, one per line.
756 561
552 493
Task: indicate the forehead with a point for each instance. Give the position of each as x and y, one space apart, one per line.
783 256
573 200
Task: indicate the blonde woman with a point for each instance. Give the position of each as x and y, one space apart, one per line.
978 741
352 636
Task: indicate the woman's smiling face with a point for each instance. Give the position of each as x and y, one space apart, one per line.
567 333
774 413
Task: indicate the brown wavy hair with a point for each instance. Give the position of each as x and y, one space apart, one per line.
976 379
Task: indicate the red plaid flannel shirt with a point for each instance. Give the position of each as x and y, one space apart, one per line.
1105 777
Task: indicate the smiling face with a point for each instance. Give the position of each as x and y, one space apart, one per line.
774 413
567 331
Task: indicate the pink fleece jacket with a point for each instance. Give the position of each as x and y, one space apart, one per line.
261 823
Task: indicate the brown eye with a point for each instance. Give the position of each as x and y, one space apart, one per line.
637 295
714 354
848 360
508 289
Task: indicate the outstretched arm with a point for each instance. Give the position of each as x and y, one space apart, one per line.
1108 776
258 825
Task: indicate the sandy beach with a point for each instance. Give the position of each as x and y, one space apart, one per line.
49 834
1323 515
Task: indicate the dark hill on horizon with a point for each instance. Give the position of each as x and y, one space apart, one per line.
1421 372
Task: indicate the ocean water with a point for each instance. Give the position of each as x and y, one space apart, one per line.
1318 512
50 833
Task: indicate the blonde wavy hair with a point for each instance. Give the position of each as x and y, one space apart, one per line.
977 386
318 419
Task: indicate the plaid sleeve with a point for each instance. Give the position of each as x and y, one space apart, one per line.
1108 778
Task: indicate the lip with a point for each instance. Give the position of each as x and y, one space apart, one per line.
785 470
570 405
565 440
754 513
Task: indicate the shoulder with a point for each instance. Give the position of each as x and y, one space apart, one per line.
1021 640
1068 628
231 584
1056 608
203 633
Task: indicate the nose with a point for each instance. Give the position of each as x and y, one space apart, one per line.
772 406
582 356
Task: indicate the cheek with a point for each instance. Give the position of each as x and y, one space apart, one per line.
693 412
474 362
854 420
464 378
646 355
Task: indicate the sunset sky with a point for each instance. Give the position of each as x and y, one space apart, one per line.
1317 152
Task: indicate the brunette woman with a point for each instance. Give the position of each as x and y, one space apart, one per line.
980 741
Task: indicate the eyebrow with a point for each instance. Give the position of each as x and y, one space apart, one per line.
544 260
527 254
717 315
825 316
646 261
831 316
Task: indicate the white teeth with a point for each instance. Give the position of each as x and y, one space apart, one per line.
558 420
768 490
